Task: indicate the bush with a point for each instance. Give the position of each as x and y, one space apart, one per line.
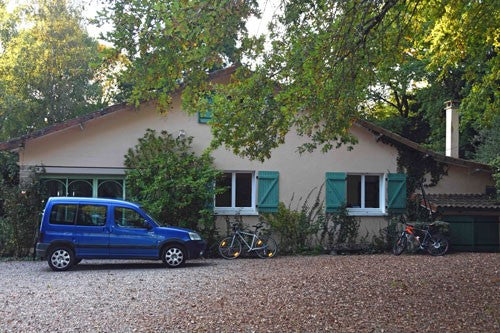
20 218
171 182
311 230
295 228
339 228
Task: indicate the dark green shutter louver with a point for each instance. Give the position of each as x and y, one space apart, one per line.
335 191
268 192
396 193
205 116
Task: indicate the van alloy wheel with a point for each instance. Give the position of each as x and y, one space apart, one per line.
174 256
60 259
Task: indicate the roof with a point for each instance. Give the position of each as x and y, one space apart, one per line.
79 121
413 145
462 201
19 142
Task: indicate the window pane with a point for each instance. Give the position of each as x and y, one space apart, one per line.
224 199
243 190
111 189
63 214
128 218
91 215
55 187
80 188
354 191
372 191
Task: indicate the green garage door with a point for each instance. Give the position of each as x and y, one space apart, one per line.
474 232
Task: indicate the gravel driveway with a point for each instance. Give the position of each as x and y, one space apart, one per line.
365 293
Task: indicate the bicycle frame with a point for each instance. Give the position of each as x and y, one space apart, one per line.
250 247
410 230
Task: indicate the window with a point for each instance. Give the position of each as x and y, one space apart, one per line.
239 194
80 188
129 218
364 193
63 214
77 186
111 189
91 215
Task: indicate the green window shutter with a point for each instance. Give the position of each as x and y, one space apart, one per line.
205 116
268 193
396 193
336 186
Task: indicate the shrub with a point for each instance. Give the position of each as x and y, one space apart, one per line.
20 218
311 230
339 228
172 182
296 227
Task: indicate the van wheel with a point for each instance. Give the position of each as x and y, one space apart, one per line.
60 258
174 256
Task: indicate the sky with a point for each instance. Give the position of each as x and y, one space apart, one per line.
255 26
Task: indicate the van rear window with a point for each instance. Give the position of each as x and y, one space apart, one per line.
63 214
91 215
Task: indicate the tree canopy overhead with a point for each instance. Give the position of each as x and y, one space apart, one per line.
48 66
323 64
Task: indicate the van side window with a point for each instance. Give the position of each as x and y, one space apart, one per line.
91 215
63 214
129 218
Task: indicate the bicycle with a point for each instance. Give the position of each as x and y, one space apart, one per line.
264 246
426 239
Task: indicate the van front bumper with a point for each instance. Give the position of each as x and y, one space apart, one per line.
41 250
196 248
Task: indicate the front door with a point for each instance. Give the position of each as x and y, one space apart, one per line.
131 235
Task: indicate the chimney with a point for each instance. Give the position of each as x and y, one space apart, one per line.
451 128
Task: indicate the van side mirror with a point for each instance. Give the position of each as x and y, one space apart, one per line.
147 225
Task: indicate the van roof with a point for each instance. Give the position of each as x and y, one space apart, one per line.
90 200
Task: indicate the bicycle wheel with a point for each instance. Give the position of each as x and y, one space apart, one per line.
400 245
268 248
438 245
230 248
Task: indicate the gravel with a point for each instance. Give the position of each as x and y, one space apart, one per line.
356 293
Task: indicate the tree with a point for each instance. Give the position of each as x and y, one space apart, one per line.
327 62
47 68
172 182
488 150
173 43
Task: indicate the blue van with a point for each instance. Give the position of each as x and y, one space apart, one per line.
73 229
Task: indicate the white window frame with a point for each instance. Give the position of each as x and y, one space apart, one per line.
362 211
233 210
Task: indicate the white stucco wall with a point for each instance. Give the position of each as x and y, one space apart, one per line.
99 146
105 141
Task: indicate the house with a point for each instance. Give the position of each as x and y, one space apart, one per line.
85 157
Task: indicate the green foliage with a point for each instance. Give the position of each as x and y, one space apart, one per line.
296 227
339 228
174 43
48 65
387 236
293 227
308 228
323 64
488 149
171 181
20 216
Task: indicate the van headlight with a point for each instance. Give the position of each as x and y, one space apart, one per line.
194 236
